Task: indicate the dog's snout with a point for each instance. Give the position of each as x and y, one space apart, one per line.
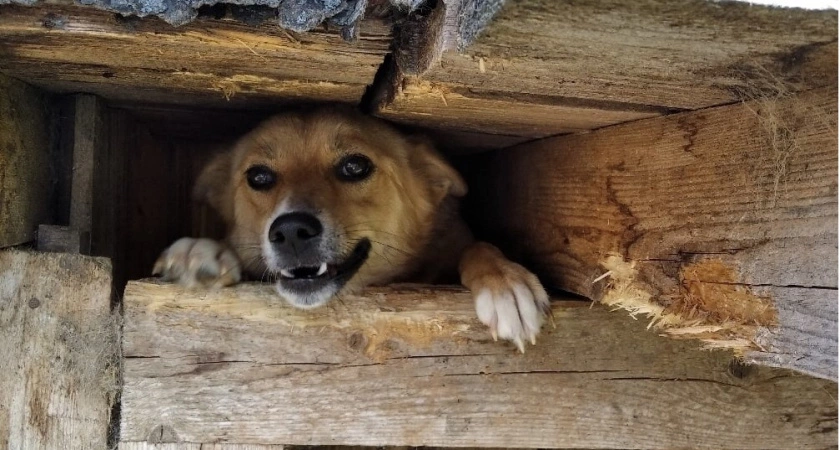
295 229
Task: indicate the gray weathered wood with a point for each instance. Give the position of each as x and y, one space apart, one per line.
90 150
98 176
411 366
56 339
194 446
57 238
707 212
806 338
25 177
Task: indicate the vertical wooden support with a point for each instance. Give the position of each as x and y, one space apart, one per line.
25 177
98 177
58 343
90 155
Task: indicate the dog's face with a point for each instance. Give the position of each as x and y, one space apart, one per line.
328 201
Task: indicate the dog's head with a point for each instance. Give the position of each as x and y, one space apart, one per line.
328 200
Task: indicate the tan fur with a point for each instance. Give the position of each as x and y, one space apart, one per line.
407 208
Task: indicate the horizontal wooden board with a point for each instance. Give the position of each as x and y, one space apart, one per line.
463 109
751 188
545 67
411 365
194 446
58 343
210 62
26 132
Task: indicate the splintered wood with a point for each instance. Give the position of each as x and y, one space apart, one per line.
718 224
58 341
411 366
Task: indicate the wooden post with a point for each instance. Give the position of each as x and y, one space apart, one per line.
25 163
719 224
89 208
412 366
58 343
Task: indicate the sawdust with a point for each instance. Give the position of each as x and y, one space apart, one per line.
389 330
710 292
708 304
227 88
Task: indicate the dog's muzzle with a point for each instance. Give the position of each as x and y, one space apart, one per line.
309 273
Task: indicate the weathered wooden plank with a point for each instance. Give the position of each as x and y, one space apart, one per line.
545 67
411 366
57 238
194 446
59 343
25 177
695 217
90 149
220 62
98 193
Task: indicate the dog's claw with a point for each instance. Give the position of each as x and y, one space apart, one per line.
510 301
519 344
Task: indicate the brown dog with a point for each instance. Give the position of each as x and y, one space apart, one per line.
332 201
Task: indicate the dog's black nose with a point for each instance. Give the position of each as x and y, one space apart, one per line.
295 229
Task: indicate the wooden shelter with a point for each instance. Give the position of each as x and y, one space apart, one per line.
673 161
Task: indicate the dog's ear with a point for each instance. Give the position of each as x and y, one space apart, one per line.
442 178
213 185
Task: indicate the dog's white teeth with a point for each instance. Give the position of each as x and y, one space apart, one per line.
287 273
322 270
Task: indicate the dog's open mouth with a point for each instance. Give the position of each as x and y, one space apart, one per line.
313 277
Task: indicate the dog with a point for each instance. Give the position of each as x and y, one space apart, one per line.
329 201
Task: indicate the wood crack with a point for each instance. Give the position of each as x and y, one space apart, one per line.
669 380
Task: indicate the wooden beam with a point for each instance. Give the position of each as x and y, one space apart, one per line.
706 221
59 346
25 163
211 62
412 366
544 67
194 446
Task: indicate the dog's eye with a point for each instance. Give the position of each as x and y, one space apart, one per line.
261 178
354 168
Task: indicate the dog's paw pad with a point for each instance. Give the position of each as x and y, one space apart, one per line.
514 306
198 262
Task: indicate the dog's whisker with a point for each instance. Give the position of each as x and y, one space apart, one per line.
404 252
371 230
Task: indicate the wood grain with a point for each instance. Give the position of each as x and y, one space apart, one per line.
545 67
53 345
752 186
194 446
411 366
214 62
25 177
57 238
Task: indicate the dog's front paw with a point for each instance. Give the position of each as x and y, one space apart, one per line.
198 262
508 298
